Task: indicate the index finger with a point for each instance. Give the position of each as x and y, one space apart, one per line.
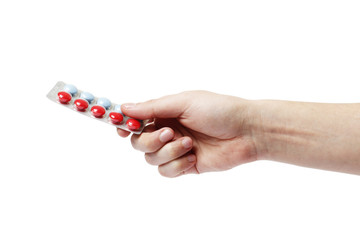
151 141
171 106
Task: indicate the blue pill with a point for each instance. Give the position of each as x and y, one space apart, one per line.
104 102
70 89
117 108
87 96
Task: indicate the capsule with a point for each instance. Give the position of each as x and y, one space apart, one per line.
81 104
98 111
133 124
87 96
116 118
104 102
70 89
64 97
117 108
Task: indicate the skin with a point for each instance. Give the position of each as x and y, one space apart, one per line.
199 131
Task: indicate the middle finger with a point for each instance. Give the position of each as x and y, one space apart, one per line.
170 151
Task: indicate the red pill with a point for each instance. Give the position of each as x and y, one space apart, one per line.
116 118
81 104
133 124
98 111
64 97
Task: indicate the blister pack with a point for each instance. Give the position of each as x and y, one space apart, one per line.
98 108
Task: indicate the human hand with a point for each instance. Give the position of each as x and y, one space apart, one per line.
193 132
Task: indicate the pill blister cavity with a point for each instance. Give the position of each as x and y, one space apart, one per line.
64 97
81 104
70 89
133 124
116 118
98 111
117 108
87 96
104 102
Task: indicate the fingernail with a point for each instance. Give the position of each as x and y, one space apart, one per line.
166 135
186 142
129 105
191 158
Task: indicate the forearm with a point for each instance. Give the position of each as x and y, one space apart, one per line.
317 135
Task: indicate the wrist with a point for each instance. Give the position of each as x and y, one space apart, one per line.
273 126
250 117
253 127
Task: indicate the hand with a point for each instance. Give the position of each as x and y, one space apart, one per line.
193 132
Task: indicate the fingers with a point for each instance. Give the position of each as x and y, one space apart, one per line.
122 133
171 106
172 156
169 151
178 167
152 141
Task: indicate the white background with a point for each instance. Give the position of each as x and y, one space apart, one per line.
65 176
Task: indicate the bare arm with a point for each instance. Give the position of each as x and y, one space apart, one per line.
317 135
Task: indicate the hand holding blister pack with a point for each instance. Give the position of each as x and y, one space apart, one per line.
101 108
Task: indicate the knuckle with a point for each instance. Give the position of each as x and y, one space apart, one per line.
142 143
150 101
177 166
148 145
186 92
172 150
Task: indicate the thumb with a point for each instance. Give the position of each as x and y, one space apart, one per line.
171 106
